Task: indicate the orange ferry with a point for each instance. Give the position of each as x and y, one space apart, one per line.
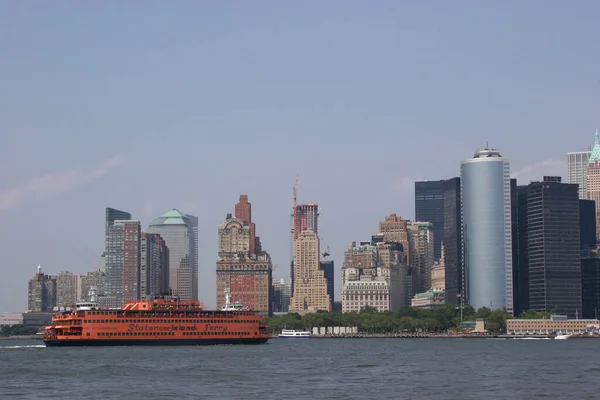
164 321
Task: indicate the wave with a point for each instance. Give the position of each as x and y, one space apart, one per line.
23 347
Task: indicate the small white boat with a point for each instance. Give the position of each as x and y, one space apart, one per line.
562 336
294 334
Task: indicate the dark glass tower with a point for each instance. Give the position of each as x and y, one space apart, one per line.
327 268
520 262
553 247
590 263
590 287
113 215
452 240
429 207
587 221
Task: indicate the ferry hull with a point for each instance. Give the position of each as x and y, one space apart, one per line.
151 342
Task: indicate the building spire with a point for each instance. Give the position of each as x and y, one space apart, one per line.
595 156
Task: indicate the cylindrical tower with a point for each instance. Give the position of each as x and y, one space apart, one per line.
486 233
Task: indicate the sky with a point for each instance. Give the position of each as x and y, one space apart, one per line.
146 106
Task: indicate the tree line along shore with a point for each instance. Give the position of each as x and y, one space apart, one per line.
406 320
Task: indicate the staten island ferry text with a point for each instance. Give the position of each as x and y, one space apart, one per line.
174 327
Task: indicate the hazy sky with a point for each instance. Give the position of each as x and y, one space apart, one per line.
149 105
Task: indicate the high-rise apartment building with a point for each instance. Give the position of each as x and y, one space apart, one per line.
114 257
243 268
593 179
421 239
429 207
577 166
68 289
453 252
486 230
154 265
553 246
310 283
180 233
41 292
123 259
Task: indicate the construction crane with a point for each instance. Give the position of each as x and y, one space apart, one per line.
292 221
295 192
326 253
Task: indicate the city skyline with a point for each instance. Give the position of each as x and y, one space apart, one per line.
142 120
277 274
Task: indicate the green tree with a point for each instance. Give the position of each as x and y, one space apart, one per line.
483 312
496 321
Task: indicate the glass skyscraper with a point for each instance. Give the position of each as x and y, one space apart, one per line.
453 261
577 166
486 230
429 207
180 232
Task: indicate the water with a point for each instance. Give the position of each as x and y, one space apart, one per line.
307 369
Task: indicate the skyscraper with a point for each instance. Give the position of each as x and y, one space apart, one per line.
180 233
123 261
41 292
587 225
306 217
577 166
429 207
553 248
486 229
243 268
421 239
310 287
113 215
395 229
281 296
154 266
521 262
68 289
593 179
453 255
590 263
327 267
243 212
114 255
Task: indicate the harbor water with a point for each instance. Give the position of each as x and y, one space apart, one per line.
307 369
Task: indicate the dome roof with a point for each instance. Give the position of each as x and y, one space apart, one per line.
171 217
